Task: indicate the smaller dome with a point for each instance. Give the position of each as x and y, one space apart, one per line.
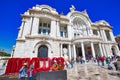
102 22
45 8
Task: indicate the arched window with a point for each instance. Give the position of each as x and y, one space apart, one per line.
43 51
79 27
45 9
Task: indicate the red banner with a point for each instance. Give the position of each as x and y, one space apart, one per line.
39 64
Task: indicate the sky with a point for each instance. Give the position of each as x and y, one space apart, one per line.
10 11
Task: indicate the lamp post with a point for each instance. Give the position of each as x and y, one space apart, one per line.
13 51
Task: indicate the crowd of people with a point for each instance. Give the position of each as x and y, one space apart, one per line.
110 62
26 72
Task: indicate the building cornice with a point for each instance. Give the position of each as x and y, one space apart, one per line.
20 40
100 25
47 37
42 12
32 11
87 38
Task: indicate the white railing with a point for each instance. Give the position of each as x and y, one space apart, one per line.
4 57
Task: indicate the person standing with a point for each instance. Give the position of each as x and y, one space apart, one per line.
31 72
108 63
72 62
98 60
23 72
102 60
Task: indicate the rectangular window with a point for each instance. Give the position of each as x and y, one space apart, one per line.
61 33
48 25
39 31
44 24
65 33
48 31
74 34
40 24
95 32
44 31
65 28
108 35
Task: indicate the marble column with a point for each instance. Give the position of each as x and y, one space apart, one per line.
69 51
110 50
112 36
105 50
12 54
69 31
61 51
93 50
105 38
98 32
20 35
58 29
100 49
83 51
31 26
87 31
101 35
90 31
53 28
35 26
104 53
74 50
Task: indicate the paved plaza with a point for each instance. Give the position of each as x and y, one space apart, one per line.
92 72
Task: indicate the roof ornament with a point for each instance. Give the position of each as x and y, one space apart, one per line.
72 8
62 13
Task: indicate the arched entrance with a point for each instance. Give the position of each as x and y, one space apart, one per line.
43 51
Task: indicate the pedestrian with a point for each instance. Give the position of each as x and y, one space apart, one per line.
72 62
31 72
108 63
102 60
98 60
23 72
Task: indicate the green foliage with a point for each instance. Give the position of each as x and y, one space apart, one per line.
4 54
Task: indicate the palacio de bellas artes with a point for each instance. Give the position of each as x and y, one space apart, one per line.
45 33
53 46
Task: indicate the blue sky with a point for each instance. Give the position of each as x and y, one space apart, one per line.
10 11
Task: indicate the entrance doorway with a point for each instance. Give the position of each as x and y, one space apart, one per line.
78 51
43 51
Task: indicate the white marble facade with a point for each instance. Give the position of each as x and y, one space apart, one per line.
45 33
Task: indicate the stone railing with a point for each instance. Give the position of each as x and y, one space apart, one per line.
4 57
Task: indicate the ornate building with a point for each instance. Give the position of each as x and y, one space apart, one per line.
45 33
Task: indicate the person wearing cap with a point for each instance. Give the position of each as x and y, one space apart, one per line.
23 72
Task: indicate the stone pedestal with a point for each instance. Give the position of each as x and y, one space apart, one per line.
53 75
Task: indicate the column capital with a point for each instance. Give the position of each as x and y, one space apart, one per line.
69 46
74 50
82 41
53 20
